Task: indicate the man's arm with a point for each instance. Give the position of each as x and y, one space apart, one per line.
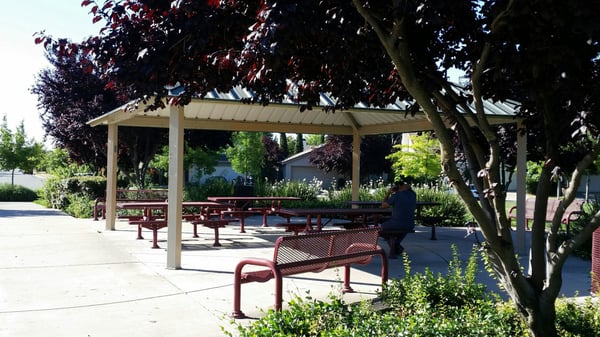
385 204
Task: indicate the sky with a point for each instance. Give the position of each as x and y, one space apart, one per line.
21 59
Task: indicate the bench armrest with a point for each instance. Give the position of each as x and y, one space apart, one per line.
256 276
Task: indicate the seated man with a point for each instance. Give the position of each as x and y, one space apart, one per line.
403 201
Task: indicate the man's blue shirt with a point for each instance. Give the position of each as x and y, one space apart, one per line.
403 205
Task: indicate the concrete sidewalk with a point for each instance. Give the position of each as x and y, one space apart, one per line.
61 276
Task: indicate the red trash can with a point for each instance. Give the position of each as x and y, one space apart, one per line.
596 262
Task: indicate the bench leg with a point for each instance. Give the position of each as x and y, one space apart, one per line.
195 230
347 288
264 224
139 232
155 237
237 294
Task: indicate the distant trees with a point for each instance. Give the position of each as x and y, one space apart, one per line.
336 155
17 151
246 154
72 92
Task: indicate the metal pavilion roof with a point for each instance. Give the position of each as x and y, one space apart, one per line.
225 111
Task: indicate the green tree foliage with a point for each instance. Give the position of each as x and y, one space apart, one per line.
283 145
419 160
204 161
247 154
313 139
299 143
18 152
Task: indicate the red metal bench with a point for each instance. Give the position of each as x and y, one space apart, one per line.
313 252
571 213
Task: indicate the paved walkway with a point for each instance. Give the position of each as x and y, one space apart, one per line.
61 276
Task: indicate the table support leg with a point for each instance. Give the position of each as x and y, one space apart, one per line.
242 224
216 243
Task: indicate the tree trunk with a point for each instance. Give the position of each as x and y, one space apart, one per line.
12 177
541 318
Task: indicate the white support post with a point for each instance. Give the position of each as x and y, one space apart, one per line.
110 204
356 140
175 193
520 244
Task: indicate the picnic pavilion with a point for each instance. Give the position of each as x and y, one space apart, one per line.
225 111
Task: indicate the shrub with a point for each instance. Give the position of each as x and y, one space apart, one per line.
588 211
451 207
308 191
213 186
575 319
79 206
9 192
419 305
74 195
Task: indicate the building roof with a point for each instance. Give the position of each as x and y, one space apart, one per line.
225 111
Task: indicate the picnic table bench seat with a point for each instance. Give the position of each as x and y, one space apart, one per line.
241 215
390 236
293 226
299 226
153 224
313 252
214 223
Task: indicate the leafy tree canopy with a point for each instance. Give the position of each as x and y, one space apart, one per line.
420 159
17 151
247 154
336 155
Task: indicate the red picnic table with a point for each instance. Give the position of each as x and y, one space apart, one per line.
154 216
246 206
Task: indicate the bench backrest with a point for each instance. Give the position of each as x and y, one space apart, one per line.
552 207
318 251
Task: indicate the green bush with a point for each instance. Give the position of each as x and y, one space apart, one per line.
451 206
534 170
74 195
211 187
9 192
304 190
418 305
585 250
575 319
79 206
